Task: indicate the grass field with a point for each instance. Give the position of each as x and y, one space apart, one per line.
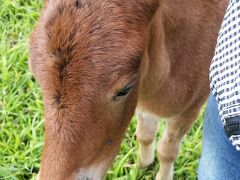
21 110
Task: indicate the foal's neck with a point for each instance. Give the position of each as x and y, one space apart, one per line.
156 63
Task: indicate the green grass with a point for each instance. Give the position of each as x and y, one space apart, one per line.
21 110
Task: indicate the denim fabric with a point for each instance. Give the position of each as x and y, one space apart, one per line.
220 160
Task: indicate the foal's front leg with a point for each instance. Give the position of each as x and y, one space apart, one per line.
169 144
147 127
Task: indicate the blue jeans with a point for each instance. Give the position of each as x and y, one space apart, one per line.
220 160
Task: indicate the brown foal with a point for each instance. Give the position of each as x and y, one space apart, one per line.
98 60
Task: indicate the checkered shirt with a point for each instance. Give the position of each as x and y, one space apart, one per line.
225 69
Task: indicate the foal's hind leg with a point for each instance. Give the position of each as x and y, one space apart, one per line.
169 144
147 127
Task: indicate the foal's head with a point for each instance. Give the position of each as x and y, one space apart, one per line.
86 56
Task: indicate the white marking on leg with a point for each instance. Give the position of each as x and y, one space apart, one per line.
146 130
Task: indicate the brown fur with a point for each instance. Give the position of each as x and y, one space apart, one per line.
83 52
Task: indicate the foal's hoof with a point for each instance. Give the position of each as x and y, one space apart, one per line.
159 177
144 164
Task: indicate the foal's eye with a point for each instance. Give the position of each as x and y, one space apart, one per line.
123 92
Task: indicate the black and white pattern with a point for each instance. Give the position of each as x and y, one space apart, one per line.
225 67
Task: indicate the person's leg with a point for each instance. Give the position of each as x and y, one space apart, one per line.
220 160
